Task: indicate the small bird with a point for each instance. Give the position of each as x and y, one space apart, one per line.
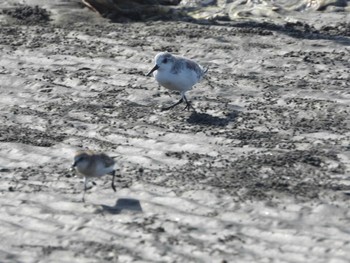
89 164
177 73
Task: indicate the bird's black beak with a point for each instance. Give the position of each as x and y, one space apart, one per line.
74 164
153 69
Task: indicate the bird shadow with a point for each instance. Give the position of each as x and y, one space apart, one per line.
124 204
205 119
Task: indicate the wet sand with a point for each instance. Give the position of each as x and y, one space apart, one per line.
259 173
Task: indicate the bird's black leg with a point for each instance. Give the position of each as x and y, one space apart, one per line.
113 186
188 104
172 106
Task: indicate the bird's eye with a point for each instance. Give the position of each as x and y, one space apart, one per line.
165 60
80 159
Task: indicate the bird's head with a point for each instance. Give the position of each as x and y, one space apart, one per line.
163 61
81 160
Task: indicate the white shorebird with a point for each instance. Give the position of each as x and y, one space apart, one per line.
177 73
89 164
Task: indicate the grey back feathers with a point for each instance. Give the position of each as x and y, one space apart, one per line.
108 161
180 64
101 158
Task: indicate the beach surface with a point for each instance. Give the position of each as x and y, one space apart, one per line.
258 173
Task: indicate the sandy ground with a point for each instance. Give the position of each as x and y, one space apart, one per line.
259 173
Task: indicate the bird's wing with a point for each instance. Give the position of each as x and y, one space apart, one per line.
108 161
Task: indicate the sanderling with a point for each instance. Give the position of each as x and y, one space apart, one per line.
89 164
177 73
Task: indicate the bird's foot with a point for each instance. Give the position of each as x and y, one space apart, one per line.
167 108
90 185
189 106
172 106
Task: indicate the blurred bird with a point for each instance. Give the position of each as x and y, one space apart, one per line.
89 164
